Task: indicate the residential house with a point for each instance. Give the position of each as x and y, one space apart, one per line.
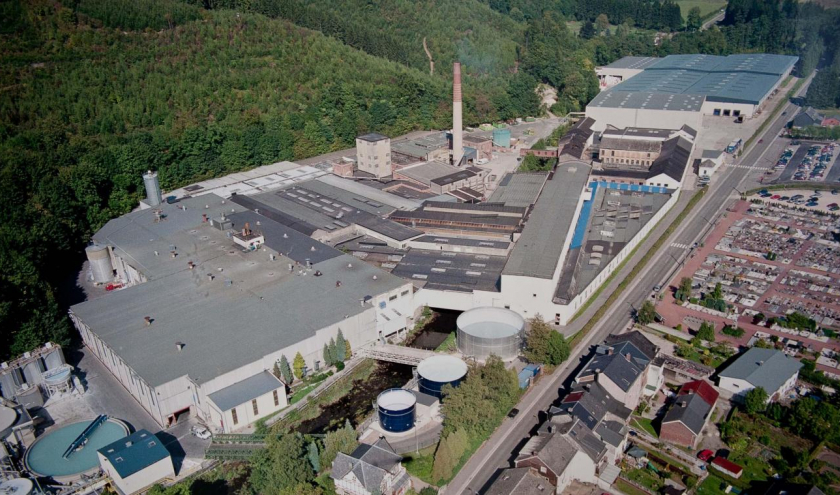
806 118
370 469
689 413
770 369
522 481
558 458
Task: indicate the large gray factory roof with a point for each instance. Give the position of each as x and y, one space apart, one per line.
520 189
429 172
462 241
253 306
447 270
147 241
743 78
633 63
538 249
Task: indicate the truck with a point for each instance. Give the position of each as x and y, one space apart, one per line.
733 146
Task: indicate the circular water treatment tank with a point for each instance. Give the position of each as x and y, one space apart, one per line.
45 457
437 371
17 486
485 331
396 409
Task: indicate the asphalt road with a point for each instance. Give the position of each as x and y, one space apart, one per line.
499 451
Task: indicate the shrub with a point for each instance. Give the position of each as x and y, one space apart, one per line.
733 331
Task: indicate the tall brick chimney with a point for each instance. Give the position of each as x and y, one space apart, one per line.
457 124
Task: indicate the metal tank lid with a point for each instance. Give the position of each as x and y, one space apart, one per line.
489 322
395 399
442 368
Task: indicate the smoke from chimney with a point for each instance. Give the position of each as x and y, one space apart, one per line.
457 123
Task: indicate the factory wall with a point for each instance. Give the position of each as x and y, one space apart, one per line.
245 416
143 478
609 77
746 109
183 394
635 117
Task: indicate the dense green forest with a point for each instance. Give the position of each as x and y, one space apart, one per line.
93 92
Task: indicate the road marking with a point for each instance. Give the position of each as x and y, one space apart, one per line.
679 245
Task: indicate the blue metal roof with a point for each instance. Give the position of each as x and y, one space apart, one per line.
134 453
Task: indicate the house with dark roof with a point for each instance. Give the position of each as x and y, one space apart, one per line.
689 413
787 488
370 469
806 118
136 462
559 457
621 367
522 481
769 369
645 158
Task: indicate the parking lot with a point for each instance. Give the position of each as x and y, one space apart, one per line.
806 161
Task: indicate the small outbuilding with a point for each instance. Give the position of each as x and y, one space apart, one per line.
136 462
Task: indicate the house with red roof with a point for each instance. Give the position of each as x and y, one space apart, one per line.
689 413
830 122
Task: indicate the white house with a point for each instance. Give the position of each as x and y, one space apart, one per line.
770 369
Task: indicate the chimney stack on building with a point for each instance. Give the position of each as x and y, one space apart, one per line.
457 124
153 193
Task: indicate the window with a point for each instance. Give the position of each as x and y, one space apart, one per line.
727 113
392 297
736 113
404 293
716 112
254 405
233 414
276 398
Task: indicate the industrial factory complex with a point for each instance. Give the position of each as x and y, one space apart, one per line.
207 287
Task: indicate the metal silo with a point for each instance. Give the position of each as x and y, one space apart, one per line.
485 331
396 409
153 194
54 359
100 263
438 371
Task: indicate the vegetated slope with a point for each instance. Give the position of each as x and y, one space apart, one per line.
94 94
484 40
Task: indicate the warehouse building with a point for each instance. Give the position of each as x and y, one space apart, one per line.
679 90
221 294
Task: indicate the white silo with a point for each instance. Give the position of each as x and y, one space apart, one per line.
100 263
153 194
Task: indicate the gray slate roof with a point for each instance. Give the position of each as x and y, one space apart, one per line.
372 137
134 453
554 450
521 481
639 341
369 463
538 249
766 368
245 390
691 410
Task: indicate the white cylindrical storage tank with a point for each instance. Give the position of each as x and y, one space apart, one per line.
153 194
54 359
438 371
396 409
8 418
18 486
485 331
100 263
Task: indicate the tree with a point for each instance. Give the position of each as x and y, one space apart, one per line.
313 456
694 21
280 465
756 400
328 357
706 332
285 370
341 440
276 370
558 349
587 30
340 347
448 454
646 314
348 351
299 366
718 292
333 352
537 340
684 290
602 23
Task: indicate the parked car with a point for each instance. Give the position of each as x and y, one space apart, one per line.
513 412
200 432
705 455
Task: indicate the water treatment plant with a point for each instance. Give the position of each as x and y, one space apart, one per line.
396 409
490 331
436 372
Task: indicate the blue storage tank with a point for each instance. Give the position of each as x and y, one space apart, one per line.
438 371
396 409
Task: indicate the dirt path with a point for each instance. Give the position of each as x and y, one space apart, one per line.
429 54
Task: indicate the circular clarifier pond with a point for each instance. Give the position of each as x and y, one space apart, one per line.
45 457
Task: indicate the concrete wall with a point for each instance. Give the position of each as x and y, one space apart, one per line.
223 420
141 479
745 109
677 433
582 468
609 77
631 117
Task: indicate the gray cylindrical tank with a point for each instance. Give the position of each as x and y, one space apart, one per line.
485 331
18 486
396 409
153 194
438 371
30 398
32 372
8 387
100 263
54 359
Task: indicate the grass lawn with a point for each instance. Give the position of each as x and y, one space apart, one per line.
646 478
421 465
707 7
447 345
830 112
646 424
627 488
755 469
711 486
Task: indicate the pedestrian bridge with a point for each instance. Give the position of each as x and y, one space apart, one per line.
395 353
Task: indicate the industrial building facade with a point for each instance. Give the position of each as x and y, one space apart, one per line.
679 90
226 295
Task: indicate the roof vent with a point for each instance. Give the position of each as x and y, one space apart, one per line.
682 403
349 265
190 264
285 235
338 283
374 277
148 320
597 370
179 345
